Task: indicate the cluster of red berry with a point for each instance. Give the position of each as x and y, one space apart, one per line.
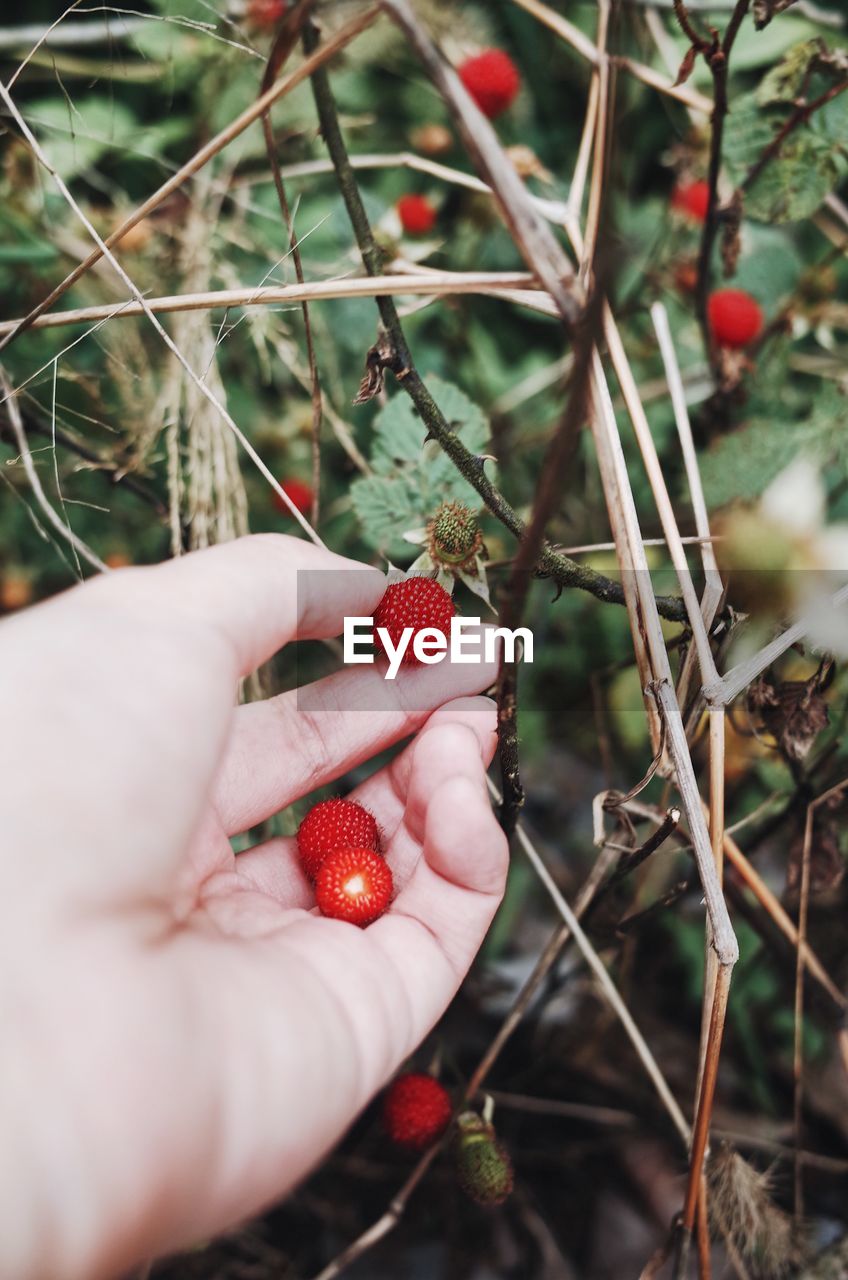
493 81
339 846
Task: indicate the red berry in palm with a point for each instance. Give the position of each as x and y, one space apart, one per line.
265 13
692 199
735 319
416 1111
354 885
334 824
492 79
419 603
417 215
299 493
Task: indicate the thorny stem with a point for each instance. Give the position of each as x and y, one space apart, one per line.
800 963
717 57
550 564
338 41
548 494
681 13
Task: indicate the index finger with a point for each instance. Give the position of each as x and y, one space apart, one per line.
257 592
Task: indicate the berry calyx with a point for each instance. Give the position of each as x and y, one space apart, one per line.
300 494
354 885
416 1111
492 79
692 199
417 215
734 318
419 603
453 536
482 1163
334 824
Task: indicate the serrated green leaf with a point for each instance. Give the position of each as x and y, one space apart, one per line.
76 136
411 478
785 81
795 182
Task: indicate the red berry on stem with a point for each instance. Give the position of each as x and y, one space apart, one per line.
334 824
492 79
417 215
265 13
735 319
692 198
299 492
420 603
354 885
416 1111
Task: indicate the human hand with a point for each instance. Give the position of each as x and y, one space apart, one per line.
184 1037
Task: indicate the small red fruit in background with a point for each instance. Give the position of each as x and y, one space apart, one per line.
416 1111
300 494
686 276
354 885
492 79
418 603
735 319
417 215
334 824
265 13
117 560
692 198
15 592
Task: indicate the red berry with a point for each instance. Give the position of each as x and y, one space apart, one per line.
492 79
353 885
415 602
692 198
416 1111
417 215
334 824
300 494
735 319
265 13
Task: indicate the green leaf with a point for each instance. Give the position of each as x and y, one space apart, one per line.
75 135
795 182
412 478
786 80
743 464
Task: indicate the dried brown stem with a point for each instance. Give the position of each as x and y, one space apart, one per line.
328 50
798 1046
284 42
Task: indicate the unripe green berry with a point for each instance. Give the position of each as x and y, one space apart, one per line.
454 535
482 1163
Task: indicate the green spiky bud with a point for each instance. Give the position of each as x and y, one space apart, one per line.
482 1163
454 535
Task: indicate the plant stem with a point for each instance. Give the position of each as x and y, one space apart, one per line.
717 58
397 357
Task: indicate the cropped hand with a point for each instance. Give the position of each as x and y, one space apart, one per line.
184 1036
